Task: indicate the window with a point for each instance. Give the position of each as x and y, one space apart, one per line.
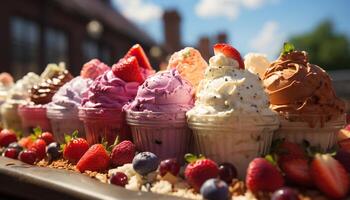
24 46
92 49
56 46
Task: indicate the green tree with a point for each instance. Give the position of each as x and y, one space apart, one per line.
326 47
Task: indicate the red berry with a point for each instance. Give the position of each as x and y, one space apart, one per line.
27 156
75 149
47 137
298 171
344 158
6 137
169 166
26 142
289 150
96 158
140 55
128 70
263 176
11 153
227 172
330 176
39 147
229 51
197 172
119 179
123 153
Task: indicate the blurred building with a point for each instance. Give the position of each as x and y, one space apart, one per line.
36 32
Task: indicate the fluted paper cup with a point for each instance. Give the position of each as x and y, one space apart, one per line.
104 124
237 142
317 134
164 134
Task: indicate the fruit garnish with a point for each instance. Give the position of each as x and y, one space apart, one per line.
74 147
227 172
263 176
145 162
169 166
123 153
119 179
47 137
199 170
128 70
27 156
343 156
229 51
285 193
287 48
330 176
96 158
7 136
297 171
285 150
214 189
140 55
39 147
53 151
11 153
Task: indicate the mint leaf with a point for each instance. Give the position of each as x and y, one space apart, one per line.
287 48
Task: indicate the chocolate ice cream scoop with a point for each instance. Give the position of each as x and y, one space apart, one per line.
296 86
43 92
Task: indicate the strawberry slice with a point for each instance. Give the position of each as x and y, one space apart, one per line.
229 51
128 70
289 151
330 176
140 55
297 171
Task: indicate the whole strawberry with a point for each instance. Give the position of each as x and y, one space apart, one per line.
263 176
48 137
286 150
39 147
96 158
199 170
7 136
26 142
74 148
123 153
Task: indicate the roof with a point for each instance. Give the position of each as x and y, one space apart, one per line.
100 10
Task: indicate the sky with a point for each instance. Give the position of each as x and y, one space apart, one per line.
252 25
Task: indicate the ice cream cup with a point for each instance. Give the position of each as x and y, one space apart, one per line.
10 118
317 134
235 139
33 116
65 121
104 123
165 134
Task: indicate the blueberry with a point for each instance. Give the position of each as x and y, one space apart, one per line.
15 145
214 189
53 151
285 193
145 162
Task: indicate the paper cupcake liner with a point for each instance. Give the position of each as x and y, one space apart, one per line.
33 117
322 136
107 130
238 147
165 142
66 126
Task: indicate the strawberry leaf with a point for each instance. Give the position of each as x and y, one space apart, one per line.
75 134
67 138
37 131
190 158
271 159
287 48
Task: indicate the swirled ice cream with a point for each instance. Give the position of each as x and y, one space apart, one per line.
227 90
190 65
165 91
296 86
109 91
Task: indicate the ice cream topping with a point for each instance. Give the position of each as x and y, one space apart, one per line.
165 91
256 63
93 69
296 86
229 90
54 77
190 65
109 91
20 90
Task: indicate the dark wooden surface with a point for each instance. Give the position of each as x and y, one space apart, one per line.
22 181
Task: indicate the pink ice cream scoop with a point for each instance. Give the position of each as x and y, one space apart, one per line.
190 65
109 91
165 91
93 69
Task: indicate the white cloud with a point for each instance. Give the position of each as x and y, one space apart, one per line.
139 10
269 39
226 8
